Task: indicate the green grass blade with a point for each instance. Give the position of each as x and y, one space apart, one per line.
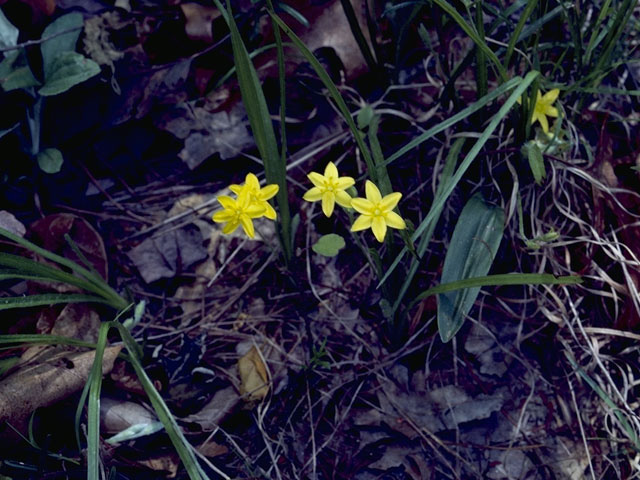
480 43
425 239
333 91
7 303
499 280
436 208
39 339
261 126
162 411
93 409
451 121
515 37
99 285
359 36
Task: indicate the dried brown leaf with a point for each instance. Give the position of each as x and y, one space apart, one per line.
253 375
43 384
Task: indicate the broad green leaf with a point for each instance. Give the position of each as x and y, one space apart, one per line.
50 160
67 70
8 33
60 36
15 72
329 245
473 246
536 161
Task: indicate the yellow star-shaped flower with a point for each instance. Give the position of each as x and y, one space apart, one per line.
330 188
258 196
543 108
240 211
376 212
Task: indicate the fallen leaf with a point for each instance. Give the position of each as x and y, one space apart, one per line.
162 463
9 222
75 320
50 232
206 133
253 375
117 415
199 19
168 254
210 416
33 386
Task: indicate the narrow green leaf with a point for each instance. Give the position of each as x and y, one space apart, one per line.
67 70
332 89
469 30
425 239
329 245
499 280
261 126
93 408
531 4
473 247
451 121
178 440
97 282
50 160
438 202
47 299
60 36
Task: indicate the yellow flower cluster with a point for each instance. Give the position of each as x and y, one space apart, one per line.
251 202
376 212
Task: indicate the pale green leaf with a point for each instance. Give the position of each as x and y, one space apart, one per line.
8 33
60 36
329 245
50 160
67 70
536 161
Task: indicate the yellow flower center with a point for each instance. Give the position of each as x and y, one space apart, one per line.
377 212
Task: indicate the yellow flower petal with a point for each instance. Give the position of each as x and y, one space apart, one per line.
362 205
345 182
372 192
331 171
252 182
395 221
269 191
362 223
235 188
379 228
230 227
226 202
551 111
390 201
317 179
343 199
550 96
543 123
247 225
328 203
255 210
223 216
269 212
313 195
